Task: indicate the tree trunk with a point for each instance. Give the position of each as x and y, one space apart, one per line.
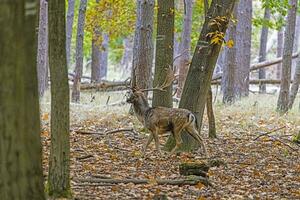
104 56
96 57
79 52
185 45
263 49
59 160
69 29
197 84
144 44
164 51
279 51
127 56
230 67
243 44
210 115
42 54
295 85
20 143
283 99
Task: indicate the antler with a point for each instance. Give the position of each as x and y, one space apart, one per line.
170 77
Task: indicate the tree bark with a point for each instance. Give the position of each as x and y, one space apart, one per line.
197 84
230 67
283 99
79 52
20 143
279 51
144 44
59 159
263 49
164 51
42 54
185 45
69 29
243 44
295 85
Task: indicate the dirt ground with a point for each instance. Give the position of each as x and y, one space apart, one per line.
264 168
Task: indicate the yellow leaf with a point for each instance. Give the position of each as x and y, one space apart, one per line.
201 198
199 185
230 43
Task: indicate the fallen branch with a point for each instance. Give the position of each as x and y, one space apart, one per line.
255 81
88 132
106 85
260 65
121 130
269 132
188 181
84 157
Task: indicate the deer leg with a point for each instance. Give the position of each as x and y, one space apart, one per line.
155 135
150 138
195 134
178 140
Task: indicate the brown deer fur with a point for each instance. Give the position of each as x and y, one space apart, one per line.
160 120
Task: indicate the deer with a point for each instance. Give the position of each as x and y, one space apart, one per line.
160 120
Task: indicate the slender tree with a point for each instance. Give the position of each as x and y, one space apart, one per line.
104 56
295 85
185 44
199 76
79 52
279 51
230 66
127 55
69 28
283 99
212 133
144 59
96 57
20 143
263 49
243 44
42 54
59 160
164 51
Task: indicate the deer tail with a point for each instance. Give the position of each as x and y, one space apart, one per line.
192 119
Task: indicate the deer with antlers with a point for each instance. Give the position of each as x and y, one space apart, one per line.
160 120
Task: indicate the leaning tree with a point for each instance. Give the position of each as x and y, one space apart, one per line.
199 76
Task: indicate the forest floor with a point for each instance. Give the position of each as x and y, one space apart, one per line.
263 168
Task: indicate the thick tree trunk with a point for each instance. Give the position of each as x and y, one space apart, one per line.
59 160
69 28
185 45
230 66
96 57
263 49
283 99
144 44
42 54
243 44
279 51
20 143
79 52
197 84
295 85
164 51
104 56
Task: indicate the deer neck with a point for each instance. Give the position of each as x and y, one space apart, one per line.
140 107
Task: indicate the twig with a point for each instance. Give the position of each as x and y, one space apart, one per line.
179 55
188 181
282 142
88 132
269 132
121 130
84 157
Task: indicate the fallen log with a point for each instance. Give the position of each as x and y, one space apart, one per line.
121 85
194 180
257 66
198 169
254 82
